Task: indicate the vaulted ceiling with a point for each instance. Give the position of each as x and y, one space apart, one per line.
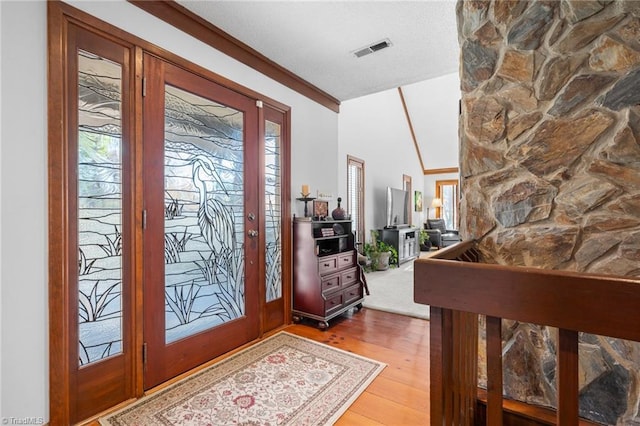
317 41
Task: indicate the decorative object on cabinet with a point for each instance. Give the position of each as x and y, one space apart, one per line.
326 276
320 209
306 200
338 213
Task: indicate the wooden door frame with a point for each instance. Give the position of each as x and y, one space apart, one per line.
59 17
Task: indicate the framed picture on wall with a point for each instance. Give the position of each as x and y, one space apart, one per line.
417 200
320 208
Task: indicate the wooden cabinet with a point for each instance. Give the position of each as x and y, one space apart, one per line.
405 240
326 276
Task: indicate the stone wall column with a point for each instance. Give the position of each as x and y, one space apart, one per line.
550 169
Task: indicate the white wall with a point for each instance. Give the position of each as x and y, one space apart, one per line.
24 203
437 128
1 220
436 101
375 129
23 176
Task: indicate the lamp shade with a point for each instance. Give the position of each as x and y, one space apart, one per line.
437 202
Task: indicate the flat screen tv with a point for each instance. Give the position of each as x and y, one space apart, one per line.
397 214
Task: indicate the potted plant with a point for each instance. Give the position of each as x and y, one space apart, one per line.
381 254
423 239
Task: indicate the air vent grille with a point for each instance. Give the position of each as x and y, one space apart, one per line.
375 47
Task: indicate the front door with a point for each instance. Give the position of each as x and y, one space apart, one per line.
201 220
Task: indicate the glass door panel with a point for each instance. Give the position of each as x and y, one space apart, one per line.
204 209
273 215
99 208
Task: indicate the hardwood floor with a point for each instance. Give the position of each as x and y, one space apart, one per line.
399 396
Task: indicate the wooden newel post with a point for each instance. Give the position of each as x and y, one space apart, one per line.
453 366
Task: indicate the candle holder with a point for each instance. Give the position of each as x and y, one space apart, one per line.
306 199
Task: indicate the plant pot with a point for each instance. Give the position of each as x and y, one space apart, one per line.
426 246
382 261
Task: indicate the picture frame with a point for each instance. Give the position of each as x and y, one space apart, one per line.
417 200
320 209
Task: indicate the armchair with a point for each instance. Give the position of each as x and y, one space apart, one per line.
439 235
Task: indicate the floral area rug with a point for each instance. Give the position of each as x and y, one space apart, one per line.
283 380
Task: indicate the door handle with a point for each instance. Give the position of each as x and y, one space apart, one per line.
252 233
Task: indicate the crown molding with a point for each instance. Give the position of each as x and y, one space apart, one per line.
183 19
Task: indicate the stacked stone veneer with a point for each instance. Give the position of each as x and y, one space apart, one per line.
550 170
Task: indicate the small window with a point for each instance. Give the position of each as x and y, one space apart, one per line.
447 192
355 196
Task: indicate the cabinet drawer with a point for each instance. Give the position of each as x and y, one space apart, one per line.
330 283
349 277
345 260
333 303
352 293
327 265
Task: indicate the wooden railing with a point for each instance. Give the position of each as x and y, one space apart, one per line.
458 287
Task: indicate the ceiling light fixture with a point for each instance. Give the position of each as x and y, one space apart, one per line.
375 47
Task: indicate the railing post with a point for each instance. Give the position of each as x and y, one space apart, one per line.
567 377
437 369
494 370
453 366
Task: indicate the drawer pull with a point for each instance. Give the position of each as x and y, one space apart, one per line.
327 264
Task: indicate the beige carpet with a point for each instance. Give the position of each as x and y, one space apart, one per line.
392 291
283 380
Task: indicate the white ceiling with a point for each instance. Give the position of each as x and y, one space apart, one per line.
316 39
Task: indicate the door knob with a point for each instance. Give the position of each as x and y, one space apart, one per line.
252 233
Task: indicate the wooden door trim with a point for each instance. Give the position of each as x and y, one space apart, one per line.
59 378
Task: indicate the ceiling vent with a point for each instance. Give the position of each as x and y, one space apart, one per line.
383 44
